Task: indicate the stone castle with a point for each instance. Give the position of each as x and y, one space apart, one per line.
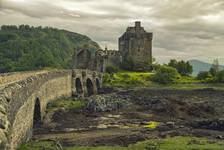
135 52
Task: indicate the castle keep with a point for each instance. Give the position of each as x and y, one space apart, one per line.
135 46
135 53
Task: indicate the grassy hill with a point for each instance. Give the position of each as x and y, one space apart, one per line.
30 48
201 66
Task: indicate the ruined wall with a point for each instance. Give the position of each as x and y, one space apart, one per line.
113 58
82 59
17 102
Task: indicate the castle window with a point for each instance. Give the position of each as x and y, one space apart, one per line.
139 48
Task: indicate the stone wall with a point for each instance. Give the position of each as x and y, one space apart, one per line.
113 58
17 101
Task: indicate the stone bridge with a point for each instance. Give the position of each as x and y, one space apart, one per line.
24 98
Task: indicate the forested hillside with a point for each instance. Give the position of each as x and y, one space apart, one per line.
30 48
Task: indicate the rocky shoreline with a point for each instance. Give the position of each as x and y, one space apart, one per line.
119 118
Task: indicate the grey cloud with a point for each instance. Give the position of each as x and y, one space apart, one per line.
179 27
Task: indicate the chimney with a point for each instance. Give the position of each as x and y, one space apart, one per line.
137 24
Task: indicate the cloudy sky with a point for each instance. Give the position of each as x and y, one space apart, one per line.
183 29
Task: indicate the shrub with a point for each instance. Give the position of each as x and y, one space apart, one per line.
213 71
125 75
184 68
203 75
220 76
166 75
127 64
215 68
106 78
111 69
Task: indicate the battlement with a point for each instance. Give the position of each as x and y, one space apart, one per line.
107 52
112 52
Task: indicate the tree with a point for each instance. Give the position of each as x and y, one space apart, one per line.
166 75
220 76
173 63
30 48
203 75
184 68
9 27
215 67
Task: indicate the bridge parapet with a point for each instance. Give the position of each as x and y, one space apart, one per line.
17 103
24 101
7 78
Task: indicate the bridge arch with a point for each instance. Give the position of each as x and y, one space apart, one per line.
37 114
97 84
89 86
78 86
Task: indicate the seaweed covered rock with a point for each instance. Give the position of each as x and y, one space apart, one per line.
107 102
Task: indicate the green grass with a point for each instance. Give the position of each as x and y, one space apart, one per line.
126 79
65 104
175 143
188 80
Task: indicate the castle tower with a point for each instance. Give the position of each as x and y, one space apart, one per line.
135 46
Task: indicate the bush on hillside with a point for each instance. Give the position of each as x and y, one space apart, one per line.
25 48
215 68
220 76
166 75
107 78
111 69
184 68
204 75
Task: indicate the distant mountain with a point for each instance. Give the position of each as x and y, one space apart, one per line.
200 66
28 48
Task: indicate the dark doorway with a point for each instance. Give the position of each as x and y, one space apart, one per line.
89 86
98 85
78 86
37 114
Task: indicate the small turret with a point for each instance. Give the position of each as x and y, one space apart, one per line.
106 49
137 24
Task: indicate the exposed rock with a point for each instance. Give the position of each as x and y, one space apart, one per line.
109 102
170 124
3 139
220 137
216 124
